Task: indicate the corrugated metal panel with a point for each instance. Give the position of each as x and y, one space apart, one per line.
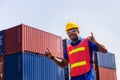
60 74
29 66
66 72
105 60
1 68
40 40
66 69
26 38
12 40
64 46
107 74
1 42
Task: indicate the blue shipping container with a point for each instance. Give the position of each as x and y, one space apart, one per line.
105 60
66 69
66 42
64 46
29 66
1 42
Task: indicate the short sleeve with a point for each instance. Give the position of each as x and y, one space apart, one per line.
93 46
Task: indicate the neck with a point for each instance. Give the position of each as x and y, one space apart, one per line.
74 41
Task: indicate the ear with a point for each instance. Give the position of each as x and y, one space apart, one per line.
78 32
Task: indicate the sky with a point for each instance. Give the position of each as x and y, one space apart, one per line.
102 17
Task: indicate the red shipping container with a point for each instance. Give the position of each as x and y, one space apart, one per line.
25 38
1 68
107 74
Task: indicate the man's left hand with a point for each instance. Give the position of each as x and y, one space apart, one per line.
92 38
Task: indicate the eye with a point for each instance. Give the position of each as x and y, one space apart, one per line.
72 31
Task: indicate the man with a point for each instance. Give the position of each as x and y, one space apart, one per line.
79 53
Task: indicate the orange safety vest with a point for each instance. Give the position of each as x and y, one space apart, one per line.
79 57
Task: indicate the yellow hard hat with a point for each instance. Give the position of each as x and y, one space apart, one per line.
71 25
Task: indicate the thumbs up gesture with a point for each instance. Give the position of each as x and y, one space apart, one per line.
92 38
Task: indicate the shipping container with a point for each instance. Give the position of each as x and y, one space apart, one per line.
1 67
105 60
29 66
106 74
25 38
64 47
66 68
1 42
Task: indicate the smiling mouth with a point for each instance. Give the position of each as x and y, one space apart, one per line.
72 35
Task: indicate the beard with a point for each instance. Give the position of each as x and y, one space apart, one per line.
73 37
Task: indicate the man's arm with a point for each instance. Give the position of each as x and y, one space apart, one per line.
101 47
62 63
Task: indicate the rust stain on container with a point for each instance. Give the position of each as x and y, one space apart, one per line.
25 38
1 68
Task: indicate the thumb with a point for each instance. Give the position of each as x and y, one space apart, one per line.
92 34
46 53
48 50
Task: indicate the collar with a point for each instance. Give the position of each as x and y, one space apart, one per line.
79 40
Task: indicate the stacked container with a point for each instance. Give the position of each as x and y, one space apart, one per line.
1 42
1 55
66 69
25 38
1 68
106 67
29 66
24 59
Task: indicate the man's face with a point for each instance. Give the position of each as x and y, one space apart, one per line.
73 34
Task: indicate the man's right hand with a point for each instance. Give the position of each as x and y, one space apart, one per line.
48 54
62 63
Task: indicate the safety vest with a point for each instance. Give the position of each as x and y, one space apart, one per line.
79 58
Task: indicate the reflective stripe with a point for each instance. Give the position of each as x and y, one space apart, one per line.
78 64
76 50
